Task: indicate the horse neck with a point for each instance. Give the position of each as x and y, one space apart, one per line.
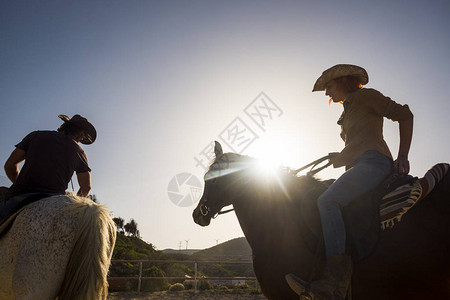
269 221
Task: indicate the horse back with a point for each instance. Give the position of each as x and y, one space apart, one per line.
37 249
411 260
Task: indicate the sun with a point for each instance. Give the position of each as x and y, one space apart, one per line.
271 155
267 166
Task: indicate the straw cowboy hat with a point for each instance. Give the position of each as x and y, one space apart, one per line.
82 123
340 71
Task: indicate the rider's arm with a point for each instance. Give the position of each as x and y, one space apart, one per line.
401 164
84 181
13 162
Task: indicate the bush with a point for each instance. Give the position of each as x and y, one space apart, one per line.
189 284
154 285
176 287
201 284
241 286
204 285
221 288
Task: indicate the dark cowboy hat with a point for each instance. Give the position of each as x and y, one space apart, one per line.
84 124
340 71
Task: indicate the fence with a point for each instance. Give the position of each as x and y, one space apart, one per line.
195 278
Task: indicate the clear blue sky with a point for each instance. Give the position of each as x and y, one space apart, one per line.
160 80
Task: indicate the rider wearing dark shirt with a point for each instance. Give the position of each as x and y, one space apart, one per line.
51 158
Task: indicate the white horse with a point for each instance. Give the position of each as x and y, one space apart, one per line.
58 247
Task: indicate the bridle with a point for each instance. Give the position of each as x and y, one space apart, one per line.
205 209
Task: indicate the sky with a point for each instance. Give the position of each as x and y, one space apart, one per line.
160 80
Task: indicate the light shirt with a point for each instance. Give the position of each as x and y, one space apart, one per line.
362 124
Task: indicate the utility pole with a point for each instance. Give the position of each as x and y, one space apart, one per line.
217 242
179 245
187 242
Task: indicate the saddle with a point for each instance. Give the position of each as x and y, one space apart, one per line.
361 217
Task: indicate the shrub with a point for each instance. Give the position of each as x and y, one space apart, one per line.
221 288
188 284
154 285
204 285
176 287
241 286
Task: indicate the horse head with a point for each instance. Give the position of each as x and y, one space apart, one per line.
222 174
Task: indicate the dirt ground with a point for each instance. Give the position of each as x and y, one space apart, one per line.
203 295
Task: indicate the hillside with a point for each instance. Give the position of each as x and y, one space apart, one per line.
233 249
182 251
237 248
133 248
128 247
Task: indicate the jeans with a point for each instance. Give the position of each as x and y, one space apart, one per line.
367 173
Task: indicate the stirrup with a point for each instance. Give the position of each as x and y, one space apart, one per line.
306 296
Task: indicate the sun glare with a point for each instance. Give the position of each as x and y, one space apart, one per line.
267 166
270 156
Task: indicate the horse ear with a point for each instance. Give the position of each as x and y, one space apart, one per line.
218 148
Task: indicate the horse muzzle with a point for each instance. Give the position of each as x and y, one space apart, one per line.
199 218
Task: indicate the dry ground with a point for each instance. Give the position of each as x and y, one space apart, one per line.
203 295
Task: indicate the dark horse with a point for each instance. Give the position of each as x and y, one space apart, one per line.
410 260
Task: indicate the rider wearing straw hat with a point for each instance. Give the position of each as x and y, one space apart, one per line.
367 160
51 158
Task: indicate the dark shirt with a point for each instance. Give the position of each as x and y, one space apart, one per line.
51 159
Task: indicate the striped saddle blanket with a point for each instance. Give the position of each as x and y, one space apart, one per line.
395 204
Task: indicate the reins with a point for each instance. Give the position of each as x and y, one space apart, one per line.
223 212
314 164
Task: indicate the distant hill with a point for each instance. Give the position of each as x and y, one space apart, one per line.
128 247
182 251
237 248
233 249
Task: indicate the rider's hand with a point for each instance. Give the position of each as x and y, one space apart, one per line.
401 165
332 156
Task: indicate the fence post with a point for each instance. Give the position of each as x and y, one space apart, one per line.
195 277
140 277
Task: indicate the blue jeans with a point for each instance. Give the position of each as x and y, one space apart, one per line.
368 172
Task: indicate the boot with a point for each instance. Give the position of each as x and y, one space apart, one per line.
334 284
